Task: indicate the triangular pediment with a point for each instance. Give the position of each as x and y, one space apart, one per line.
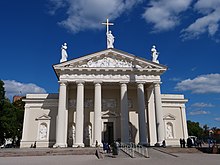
169 117
43 117
110 58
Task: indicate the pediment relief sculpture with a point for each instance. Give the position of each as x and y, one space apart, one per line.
108 62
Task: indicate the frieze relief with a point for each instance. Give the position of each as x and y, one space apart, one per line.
109 62
107 104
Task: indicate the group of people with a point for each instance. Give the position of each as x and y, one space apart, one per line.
190 142
114 147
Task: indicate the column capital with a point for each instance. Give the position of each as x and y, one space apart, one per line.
97 82
124 82
141 82
123 85
140 85
157 83
63 82
80 82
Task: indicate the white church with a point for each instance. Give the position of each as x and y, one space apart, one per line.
105 96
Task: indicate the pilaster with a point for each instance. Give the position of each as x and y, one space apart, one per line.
159 114
152 117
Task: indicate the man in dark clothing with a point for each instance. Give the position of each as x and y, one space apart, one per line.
184 143
181 143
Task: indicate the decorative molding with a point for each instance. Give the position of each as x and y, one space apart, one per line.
109 114
109 104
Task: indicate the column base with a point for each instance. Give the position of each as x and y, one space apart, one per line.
60 145
77 145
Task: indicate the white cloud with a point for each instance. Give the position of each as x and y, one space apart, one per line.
202 105
217 119
13 88
175 79
165 14
208 23
199 112
209 83
88 14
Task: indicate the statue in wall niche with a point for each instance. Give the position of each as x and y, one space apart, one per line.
43 132
169 131
73 132
154 54
63 53
88 132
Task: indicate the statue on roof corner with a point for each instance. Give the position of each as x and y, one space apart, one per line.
63 53
154 54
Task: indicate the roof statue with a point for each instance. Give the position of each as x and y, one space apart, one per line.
63 53
154 54
109 35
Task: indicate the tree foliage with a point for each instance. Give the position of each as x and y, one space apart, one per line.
11 117
194 129
2 94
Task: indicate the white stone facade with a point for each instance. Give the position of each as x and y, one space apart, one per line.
105 96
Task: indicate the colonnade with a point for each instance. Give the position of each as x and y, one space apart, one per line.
62 117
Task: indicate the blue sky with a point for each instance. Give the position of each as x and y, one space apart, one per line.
185 32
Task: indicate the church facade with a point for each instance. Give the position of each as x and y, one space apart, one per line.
105 96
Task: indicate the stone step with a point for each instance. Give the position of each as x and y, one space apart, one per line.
46 151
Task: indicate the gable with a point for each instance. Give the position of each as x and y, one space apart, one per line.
43 117
109 58
169 117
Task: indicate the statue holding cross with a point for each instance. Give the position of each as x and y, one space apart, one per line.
110 37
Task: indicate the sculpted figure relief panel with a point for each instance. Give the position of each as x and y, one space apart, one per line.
107 62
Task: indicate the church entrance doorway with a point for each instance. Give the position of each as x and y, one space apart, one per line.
108 132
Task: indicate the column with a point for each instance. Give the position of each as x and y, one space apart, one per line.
151 117
79 115
159 114
97 133
124 114
141 114
184 123
61 121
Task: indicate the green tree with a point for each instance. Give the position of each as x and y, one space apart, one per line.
19 105
2 98
194 129
2 94
205 130
11 118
